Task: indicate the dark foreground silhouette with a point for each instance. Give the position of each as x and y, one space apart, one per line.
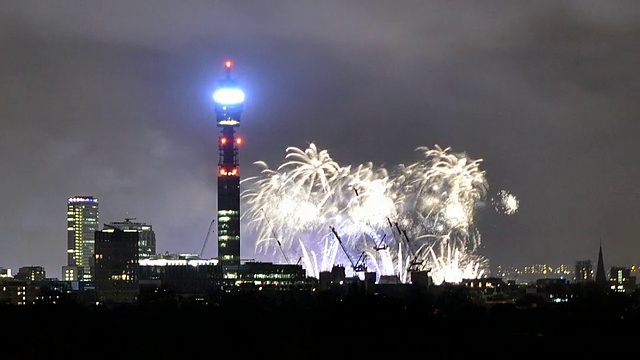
253 325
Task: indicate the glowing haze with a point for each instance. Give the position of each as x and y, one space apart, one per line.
391 221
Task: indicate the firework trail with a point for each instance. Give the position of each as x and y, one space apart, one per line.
422 213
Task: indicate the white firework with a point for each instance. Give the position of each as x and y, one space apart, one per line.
420 214
507 203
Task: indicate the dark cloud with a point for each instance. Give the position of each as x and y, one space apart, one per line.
112 99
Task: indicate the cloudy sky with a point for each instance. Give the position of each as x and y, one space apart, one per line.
113 99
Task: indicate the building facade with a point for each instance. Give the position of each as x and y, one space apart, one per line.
82 223
146 236
183 275
72 273
584 271
621 280
116 267
31 273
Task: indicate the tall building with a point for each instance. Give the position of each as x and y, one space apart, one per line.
146 236
229 101
116 269
82 223
584 271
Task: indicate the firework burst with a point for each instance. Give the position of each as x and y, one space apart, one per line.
419 214
506 203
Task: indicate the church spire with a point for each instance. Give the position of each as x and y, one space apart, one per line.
601 276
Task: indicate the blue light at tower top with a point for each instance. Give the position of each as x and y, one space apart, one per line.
228 96
229 100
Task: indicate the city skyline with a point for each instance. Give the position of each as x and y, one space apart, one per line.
114 102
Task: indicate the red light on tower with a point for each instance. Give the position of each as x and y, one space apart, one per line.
223 171
239 141
223 141
228 64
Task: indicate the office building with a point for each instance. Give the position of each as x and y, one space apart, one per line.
146 236
72 273
183 275
116 266
269 274
31 273
621 280
584 271
82 223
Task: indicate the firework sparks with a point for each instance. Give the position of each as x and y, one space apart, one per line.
422 213
506 203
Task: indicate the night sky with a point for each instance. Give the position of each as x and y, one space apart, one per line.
113 99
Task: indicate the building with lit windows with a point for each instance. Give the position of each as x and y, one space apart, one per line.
268 274
584 271
146 236
183 275
72 273
487 286
14 292
31 273
82 223
530 273
620 279
116 266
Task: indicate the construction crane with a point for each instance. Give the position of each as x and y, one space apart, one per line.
376 245
359 265
381 245
206 238
414 264
275 237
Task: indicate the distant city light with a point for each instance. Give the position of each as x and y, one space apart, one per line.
177 262
228 96
82 199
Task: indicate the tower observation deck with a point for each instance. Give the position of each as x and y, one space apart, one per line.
229 102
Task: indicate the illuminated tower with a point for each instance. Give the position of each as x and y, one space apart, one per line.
82 223
229 101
